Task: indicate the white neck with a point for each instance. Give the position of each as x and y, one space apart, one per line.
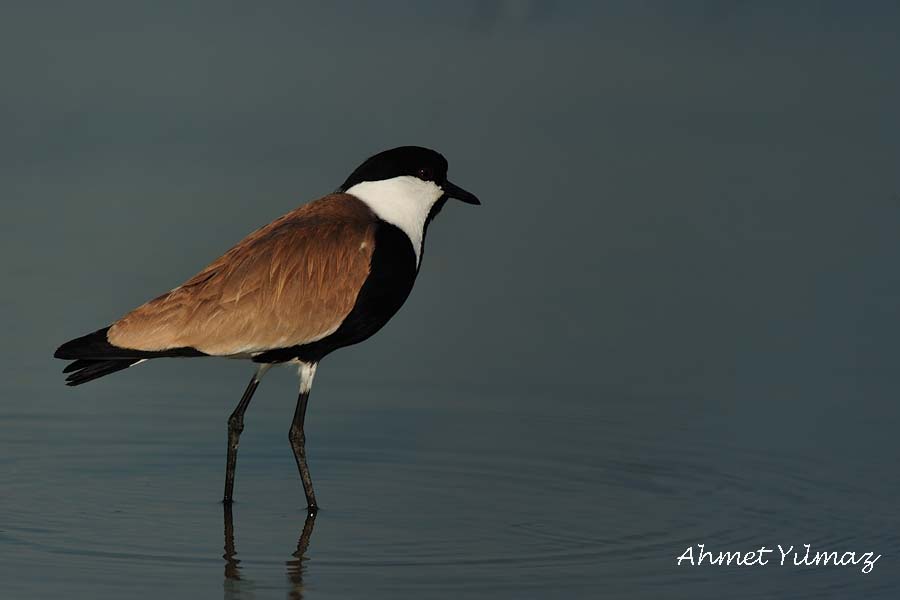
402 201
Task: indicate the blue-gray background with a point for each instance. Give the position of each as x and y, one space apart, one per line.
674 320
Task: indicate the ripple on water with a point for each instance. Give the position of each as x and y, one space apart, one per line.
591 506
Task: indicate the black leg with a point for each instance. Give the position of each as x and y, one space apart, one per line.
298 437
235 427
298 443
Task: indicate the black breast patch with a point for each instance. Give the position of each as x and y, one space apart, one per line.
391 277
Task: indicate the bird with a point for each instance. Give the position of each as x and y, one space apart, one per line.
326 275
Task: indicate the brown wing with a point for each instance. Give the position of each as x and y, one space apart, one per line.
291 282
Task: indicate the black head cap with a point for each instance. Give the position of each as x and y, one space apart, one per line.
413 161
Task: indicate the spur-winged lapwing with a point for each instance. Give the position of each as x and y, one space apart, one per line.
326 275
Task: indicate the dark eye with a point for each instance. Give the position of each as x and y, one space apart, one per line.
425 174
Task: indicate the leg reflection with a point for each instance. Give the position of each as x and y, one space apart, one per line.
295 566
232 571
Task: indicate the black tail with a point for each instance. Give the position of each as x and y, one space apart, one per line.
95 357
95 346
82 370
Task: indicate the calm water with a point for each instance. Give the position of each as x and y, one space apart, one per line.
674 321
435 493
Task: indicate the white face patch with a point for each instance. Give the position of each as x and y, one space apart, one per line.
402 201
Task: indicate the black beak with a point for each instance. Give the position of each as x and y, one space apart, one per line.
452 190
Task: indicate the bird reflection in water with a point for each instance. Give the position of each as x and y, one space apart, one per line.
234 588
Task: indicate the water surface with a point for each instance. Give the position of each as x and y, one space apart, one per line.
574 493
672 322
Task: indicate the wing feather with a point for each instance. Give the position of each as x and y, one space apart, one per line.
290 283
